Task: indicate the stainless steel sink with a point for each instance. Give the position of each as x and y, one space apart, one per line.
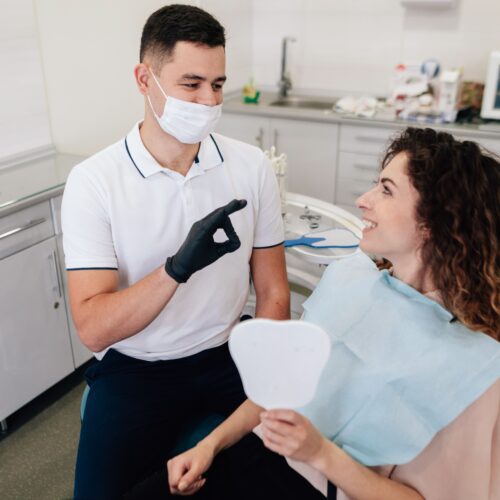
303 102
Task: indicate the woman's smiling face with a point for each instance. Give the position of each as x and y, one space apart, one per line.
391 229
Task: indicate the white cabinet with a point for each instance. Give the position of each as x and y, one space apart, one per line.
360 153
250 129
311 149
80 352
35 350
329 161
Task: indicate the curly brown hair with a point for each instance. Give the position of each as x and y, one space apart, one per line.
459 200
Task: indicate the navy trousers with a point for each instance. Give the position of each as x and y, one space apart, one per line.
136 409
246 471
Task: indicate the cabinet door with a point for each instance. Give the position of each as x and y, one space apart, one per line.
80 352
35 350
311 150
251 129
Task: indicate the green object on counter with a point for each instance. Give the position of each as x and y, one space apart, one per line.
250 93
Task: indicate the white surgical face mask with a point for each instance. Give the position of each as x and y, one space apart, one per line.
188 122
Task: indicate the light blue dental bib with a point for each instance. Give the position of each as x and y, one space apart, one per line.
399 371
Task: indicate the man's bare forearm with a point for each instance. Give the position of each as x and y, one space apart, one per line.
107 318
273 305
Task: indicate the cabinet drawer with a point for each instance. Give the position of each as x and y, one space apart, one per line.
356 166
348 190
367 140
25 228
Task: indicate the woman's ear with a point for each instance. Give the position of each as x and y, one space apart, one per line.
425 232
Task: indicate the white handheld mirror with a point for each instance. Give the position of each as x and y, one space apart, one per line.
280 362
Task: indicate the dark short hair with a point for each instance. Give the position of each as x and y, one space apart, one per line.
179 23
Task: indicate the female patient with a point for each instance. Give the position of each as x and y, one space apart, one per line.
408 406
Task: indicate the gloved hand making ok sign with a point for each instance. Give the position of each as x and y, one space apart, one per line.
199 248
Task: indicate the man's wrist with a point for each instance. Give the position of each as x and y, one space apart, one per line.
171 270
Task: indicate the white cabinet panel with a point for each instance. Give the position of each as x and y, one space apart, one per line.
24 228
311 149
366 140
80 352
35 350
250 129
348 190
356 166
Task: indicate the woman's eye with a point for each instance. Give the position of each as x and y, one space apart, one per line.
386 190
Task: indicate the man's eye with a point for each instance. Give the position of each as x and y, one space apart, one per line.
190 85
217 86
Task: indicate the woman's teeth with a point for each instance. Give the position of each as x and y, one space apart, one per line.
369 224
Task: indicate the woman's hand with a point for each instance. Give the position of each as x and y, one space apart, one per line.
185 470
290 434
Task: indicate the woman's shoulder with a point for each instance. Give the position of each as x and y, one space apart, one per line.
470 444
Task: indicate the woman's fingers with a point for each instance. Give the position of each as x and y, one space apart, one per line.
176 469
277 426
193 488
289 416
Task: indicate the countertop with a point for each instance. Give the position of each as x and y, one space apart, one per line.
34 181
383 118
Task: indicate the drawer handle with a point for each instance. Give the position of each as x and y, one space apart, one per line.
361 166
368 138
30 224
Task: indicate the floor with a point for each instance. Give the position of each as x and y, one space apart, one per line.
37 454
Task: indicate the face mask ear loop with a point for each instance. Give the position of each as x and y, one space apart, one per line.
162 91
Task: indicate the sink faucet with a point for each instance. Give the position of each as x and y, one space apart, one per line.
285 83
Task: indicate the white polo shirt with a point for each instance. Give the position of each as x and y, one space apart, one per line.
121 210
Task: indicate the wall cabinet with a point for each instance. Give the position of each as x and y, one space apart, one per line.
311 149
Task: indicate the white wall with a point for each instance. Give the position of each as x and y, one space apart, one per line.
352 46
237 17
89 49
24 119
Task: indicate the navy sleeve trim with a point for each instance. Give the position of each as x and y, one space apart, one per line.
217 147
270 246
91 269
132 160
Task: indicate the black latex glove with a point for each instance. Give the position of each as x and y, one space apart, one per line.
199 249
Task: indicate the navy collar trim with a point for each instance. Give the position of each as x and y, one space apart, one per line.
217 147
132 160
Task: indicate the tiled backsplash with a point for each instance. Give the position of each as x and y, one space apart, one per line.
353 45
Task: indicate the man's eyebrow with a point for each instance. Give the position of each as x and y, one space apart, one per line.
386 179
193 76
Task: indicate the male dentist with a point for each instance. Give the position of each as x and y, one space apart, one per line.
162 232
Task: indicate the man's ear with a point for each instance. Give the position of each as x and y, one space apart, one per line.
142 76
